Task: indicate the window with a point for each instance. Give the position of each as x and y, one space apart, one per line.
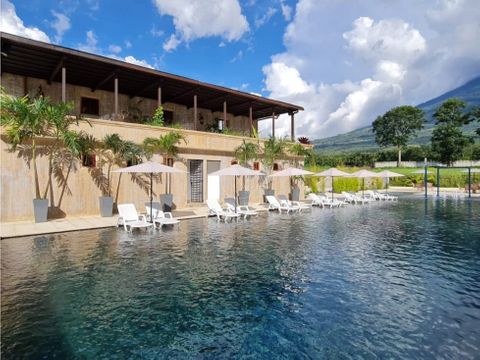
89 106
256 166
167 117
275 167
89 160
168 161
234 162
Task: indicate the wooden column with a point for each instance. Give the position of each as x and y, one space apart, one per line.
159 96
250 120
64 84
116 96
292 126
195 112
225 113
273 124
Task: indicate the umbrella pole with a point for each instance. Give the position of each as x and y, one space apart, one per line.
332 188
151 197
235 194
363 188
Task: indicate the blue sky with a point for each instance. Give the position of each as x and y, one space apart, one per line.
140 30
344 61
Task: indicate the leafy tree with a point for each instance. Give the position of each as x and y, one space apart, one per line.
157 119
448 140
165 145
273 149
244 153
397 126
475 115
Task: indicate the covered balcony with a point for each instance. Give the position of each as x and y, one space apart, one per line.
108 89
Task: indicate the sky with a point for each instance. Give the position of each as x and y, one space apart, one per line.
344 61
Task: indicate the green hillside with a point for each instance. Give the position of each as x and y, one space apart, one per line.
363 138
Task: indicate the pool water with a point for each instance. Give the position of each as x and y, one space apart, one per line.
386 280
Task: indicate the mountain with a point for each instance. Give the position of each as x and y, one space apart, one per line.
364 139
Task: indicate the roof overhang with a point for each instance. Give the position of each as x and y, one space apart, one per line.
37 59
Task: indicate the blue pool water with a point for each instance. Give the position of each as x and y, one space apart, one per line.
396 280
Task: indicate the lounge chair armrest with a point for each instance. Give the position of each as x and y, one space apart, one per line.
168 215
142 217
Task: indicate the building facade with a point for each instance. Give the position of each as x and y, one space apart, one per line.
110 97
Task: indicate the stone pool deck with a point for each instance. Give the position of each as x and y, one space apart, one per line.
29 228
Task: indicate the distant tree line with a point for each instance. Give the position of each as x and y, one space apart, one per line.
399 125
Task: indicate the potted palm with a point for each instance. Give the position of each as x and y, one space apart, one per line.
273 150
244 153
298 151
27 121
166 146
111 154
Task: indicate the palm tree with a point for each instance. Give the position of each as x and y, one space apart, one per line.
273 149
113 154
246 152
25 122
165 145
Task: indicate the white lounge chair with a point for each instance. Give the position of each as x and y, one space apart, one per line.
130 219
301 206
328 201
350 198
387 196
241 209
160 218
315 199
216 209
274 204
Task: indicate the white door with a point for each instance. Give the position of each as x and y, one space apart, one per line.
213 182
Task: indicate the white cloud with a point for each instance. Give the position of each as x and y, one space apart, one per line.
61 24
237 57
90 44
265 18
156 32
132 60
393 40
171 44
286 11
128 44
359 67
114 48
12 24
195 19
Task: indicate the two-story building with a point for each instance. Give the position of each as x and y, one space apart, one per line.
117 97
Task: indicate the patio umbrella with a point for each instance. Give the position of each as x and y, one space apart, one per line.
291 171
150 168
332 172
387 174
236 170
364 174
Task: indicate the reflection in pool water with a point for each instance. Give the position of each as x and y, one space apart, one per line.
378 281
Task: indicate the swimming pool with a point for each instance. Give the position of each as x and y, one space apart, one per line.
386 280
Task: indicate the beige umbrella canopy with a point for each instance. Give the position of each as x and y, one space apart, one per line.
151 168
362 174
236 170
332 172
387 174
291 171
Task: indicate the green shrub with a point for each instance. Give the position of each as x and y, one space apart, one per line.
346 184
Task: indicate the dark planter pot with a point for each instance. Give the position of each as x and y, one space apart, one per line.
268 192
243 197
106 206
295 194
40 210
166 202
